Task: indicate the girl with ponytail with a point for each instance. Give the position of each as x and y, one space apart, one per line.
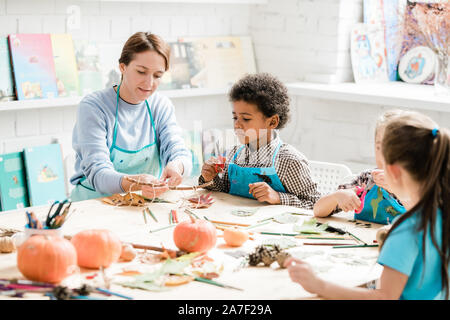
415 253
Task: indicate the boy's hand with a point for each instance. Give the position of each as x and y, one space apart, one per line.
263 192
347 200
378 178
212 167
302 273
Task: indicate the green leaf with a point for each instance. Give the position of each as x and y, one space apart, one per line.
310 227
174 266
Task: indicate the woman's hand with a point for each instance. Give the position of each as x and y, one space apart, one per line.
302 273
209 171
173 172
147 190
347 199
263 192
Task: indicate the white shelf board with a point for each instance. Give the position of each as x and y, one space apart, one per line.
194 1
73 101
395 94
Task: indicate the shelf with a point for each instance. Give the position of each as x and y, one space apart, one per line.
196 1
395 94
73 101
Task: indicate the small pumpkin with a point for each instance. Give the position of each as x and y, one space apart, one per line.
235 237
128 252
7 245
97 248
46 258
195 235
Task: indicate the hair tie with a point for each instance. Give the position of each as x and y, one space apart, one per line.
434 132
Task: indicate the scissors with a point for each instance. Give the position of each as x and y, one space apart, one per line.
59 208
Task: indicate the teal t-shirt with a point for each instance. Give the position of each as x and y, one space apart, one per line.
403 252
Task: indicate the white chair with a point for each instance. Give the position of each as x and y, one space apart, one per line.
329 175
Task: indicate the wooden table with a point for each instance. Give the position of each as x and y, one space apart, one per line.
350 267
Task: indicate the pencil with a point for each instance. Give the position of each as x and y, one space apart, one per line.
323 238
113 293
279 234
192 213
258 224
145 217
356 246
321 244
151 213
163 228
170 217
229 223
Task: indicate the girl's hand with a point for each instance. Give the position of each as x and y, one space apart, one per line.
263 192
211 169
347 200
173 171
302 273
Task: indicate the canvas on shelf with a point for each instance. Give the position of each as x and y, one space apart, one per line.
13 189
88 64
368 53
6 79
65 65
45 174
33 66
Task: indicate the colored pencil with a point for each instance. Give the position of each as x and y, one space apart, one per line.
258 224
279 234
145 217
151 213
321 244
215 283
228 223
113 293
163 228
170 217
356 246
191 213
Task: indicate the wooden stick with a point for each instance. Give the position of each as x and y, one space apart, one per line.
141 246
171 188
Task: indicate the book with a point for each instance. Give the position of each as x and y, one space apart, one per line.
13 189
33 66
65 65
181 68
218 62
88 66
45 174
6 79
368 53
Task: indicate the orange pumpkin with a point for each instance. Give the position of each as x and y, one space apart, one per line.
235 237
195 235
97 248
46 258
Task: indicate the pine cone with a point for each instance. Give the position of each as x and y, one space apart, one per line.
84 290
62 293
281 258
253 259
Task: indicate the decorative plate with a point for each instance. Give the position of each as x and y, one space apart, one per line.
417 65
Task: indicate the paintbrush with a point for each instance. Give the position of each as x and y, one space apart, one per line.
215 283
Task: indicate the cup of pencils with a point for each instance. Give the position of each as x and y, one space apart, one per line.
57 215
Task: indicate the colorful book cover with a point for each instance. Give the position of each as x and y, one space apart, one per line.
6 79
88 64
387 13
65 65
45 174
33 65
193 141
368 53
13 190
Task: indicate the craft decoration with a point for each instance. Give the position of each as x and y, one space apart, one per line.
417 65
266 255
195 235
97 248
149 182
201 201
310 227
235 237
368 53
128 199
46 258
244 212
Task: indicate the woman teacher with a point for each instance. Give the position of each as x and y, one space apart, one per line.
130 129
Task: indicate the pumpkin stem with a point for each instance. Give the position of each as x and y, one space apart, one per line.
192 218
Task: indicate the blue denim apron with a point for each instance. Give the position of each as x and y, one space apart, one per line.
145 160
241 177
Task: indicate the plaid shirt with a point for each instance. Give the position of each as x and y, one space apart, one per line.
291 166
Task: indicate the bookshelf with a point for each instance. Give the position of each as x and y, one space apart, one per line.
73 101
